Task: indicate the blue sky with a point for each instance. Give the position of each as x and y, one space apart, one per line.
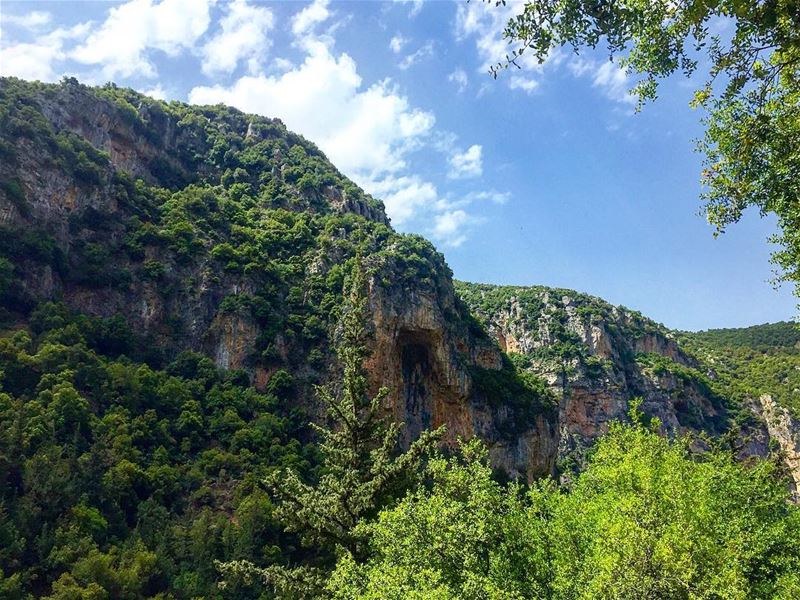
544 176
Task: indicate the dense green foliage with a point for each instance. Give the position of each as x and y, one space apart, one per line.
749 362
122 481
645 520
752 93
758 337
131 467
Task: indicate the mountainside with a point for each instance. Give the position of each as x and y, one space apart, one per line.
597 358
759 367
170 280
209 230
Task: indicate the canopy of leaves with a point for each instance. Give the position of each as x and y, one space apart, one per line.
645 520
118 480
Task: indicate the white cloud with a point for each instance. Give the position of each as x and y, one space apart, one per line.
32 20
611 78
30 61
459 77
304 22
413 58
520 82
449 227
397 43
36 60
156 92
243 35
607 76
120 45
485 23
369 132
405 196
491 196
365 132
466 164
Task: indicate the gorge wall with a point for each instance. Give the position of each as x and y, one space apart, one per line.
210 230
205 229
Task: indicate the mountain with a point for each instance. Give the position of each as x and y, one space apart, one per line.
170 279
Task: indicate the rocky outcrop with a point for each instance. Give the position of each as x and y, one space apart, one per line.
423 355
597 358
784 429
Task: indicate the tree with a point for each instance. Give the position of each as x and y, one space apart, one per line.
752 92
645 520
465 537
361 470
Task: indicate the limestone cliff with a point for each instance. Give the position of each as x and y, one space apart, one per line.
210 230
597 358
785 430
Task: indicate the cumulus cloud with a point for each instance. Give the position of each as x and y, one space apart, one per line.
607 76
449 227
156 92
484 23
467 164
488 196
307 19
36 60
121 44
30 61
459 77
365 131
404 196
243 35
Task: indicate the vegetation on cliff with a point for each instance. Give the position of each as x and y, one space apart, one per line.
119 480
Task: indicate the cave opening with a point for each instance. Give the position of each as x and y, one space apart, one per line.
419 375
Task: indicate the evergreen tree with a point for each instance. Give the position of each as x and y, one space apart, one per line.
361 469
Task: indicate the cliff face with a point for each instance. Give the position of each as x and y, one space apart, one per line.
597 358
206 229
431 360
209 230
784 429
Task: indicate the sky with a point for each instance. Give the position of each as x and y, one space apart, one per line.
545 176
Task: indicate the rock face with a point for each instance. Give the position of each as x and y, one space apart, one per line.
424 355
785 430
597 358
209 230
213 231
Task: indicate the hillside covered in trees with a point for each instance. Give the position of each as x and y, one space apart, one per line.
175 283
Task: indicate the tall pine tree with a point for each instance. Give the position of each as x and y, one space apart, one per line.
362 470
